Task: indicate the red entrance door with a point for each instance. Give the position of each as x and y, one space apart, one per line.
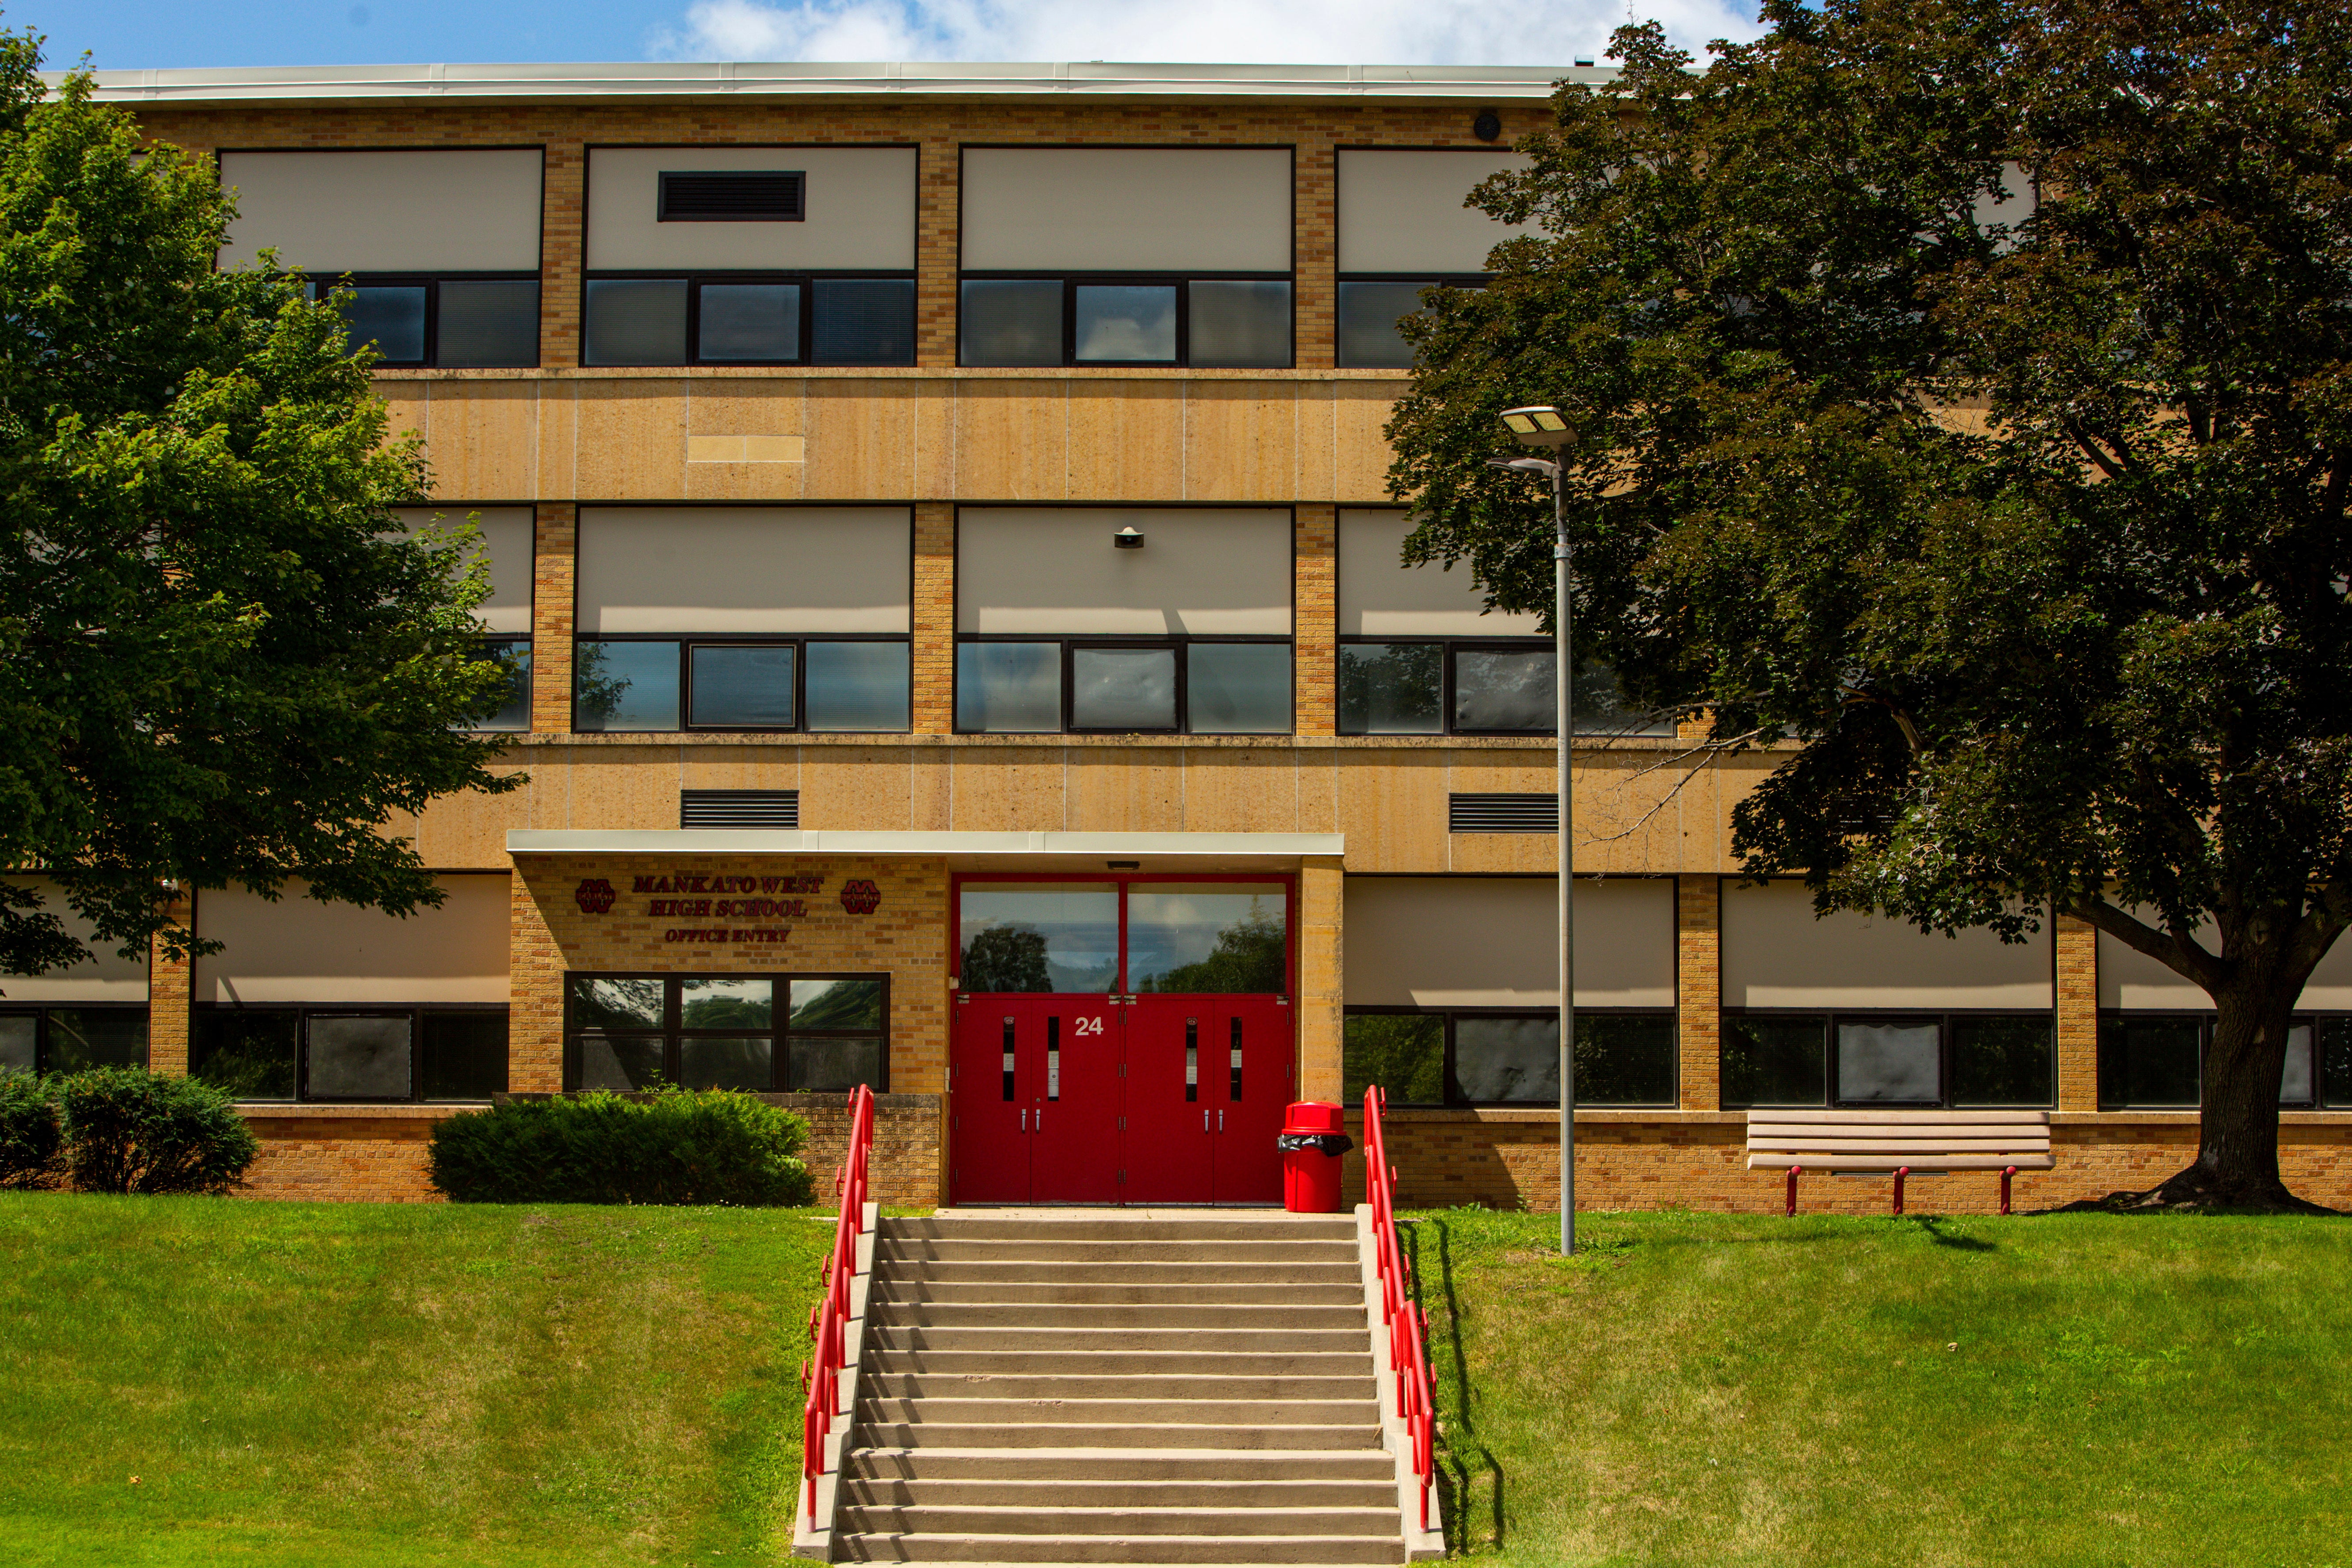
1036 1100
1207 1080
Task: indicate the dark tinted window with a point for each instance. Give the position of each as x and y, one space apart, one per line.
251 1055
865 320
1624 1058
1774 1061
465 1056
2003 1061
635 320
489 322
1405 1053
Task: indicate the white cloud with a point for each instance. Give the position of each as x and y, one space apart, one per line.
1382 32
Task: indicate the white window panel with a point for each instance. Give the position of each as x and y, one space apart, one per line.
745 569
1776 954
860 203
1494 941
1380 596
507 541
1401 211
441 211
1054 572
299 950
1127 209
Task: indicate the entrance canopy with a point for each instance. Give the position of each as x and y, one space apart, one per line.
963 851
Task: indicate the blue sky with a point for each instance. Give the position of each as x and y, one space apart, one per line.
137 33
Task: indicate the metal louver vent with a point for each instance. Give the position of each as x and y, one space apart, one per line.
1502 814
739 808
760 195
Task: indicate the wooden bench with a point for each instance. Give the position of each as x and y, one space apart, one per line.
1899 1142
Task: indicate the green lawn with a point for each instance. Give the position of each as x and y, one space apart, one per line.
360 1385
2057 1390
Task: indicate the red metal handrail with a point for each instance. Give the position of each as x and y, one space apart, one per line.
829 1319
1408 1326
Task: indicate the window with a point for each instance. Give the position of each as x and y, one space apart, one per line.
1139 935
1209 322
1175 686
819 1033
1460 686
749 319
458 323
641 684
2157 1060
1368 310
69 1038
360 1054
1476 1057
1890 1059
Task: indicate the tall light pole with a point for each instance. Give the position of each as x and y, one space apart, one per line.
1543 426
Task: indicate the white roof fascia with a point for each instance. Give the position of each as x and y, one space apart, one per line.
211 84
781 841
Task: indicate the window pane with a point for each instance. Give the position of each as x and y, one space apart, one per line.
2004 1061
746 1002
1504 689
96 1037
514 714
1368 313
1049 936
821 1065
2335 1060
1405 1053
391 318
1600 706
1890 1063
1624 1061
865 320
1240 324
2294 1083
360 1058
745 1063
1503 1059
858 685
759 322
617 1003
1237 688
18 1032
1124 322
1391 688
1123 688
836 1003
1774 1061
742 687
625 686
1012 322
489 324
250 1055
1216 937
465 1056
2149 1061
1008 686
635 320
621 1062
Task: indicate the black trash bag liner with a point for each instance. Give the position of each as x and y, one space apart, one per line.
1327 1142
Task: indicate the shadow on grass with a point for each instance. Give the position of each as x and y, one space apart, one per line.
1464 1463
1933 1226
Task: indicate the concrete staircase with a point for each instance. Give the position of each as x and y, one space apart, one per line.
1090 1386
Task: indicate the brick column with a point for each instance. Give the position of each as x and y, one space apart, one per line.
937 219
170 986
563 207
534 997
1315 617
1314 250
934 623
2076 996
1318 1003
555 538
1698 990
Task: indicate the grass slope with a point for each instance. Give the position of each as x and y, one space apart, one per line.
1752 1390
363 1385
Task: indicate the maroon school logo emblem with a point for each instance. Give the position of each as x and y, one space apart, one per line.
595 894
859 896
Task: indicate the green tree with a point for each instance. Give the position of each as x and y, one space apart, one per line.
222 660
1007 958
2014 521
1252 955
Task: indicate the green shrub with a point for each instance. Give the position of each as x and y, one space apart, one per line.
676 1147
30 1137
131 1131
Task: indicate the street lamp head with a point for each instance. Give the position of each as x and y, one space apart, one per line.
1538 425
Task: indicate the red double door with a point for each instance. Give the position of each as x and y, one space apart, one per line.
1096 1100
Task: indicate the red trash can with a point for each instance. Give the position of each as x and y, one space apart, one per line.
1311 1144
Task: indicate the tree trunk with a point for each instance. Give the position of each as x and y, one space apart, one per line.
2237 1143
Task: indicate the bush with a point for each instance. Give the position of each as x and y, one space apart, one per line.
130 1131
30 1137
675 1147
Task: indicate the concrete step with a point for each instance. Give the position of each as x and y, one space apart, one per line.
1082 1435
1133 1465
1046 1363
1039 1249
895 1289
1208 1227
1228 1548
1080 1339
1060 1491
1169 1387
967 1518
968 1412
1098 1315
958 1270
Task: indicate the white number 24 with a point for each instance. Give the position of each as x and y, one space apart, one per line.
1090 1026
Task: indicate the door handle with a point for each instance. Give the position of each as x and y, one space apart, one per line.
1221 1121
1041 1118
1204 1121
1024 1119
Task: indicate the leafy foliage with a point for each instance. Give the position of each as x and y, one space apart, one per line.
131 1131
30 1138
1007 958
1251 955
221 656
674 1147
1962 402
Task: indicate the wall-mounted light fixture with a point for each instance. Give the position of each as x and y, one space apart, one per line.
1488 126
1128 537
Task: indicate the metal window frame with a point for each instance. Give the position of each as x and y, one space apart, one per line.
321 286
302 1013
39 1013
1068 647
697 279
798 641
674 1032
1455 1100
2113 1020
1072 281
1831 1018
1468 280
